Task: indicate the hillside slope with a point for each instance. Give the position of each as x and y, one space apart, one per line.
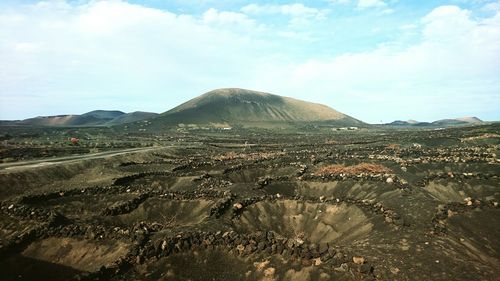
132 117
245 107
92 118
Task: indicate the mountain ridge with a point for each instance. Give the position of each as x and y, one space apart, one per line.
241 106
91 118
467 120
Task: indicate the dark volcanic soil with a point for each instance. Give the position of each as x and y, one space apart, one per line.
256 205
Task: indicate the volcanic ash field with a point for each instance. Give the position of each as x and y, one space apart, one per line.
364 205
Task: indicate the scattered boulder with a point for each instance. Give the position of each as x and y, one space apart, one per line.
358 260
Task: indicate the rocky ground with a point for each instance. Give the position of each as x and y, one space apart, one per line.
374 204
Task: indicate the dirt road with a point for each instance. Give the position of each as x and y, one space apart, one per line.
71 158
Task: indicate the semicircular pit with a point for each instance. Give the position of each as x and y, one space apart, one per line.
252 175
478 233
83 206
62 258
160 182
313 222
196 266
286 188
349 188
166 212
449 190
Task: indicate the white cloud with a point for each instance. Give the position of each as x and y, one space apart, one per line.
339 1
370 3
296 10
109 17
299 14
300 36
448 23
299 10
223 17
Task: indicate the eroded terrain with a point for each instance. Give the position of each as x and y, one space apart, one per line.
379 204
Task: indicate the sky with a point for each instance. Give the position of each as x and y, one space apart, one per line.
375 60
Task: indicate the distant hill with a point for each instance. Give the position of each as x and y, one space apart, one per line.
234 106
95 118
408 123
132 117
104 114
458 121
442 122
399 123
57 120
92 118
